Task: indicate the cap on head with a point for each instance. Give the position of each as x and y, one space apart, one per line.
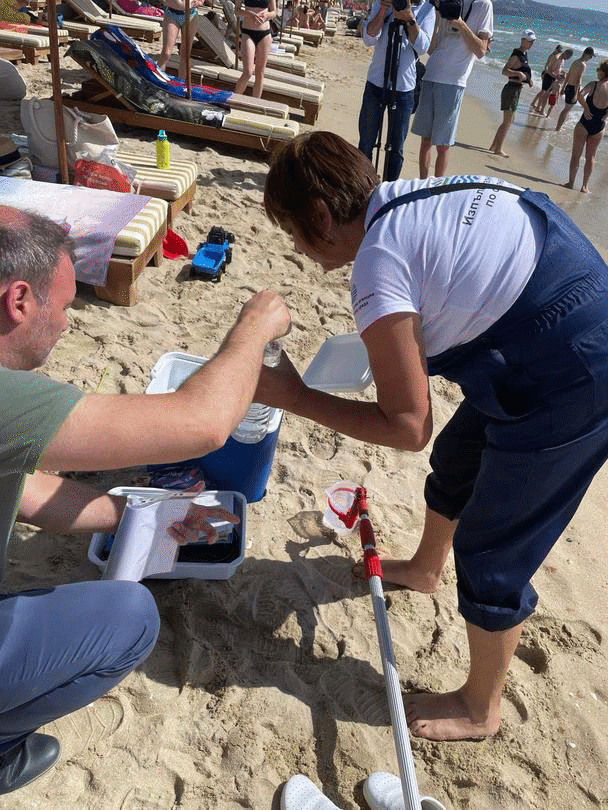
529 34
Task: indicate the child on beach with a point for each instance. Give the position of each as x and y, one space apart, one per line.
589 131
554 93
519 72
553 68
495 288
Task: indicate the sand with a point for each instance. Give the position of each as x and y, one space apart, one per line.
277 671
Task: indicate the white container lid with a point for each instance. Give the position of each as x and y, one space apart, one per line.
340 365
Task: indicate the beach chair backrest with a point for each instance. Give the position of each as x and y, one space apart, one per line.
214 40
88 9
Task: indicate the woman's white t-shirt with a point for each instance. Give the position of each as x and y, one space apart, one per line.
459 259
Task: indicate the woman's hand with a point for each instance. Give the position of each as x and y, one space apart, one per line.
280 386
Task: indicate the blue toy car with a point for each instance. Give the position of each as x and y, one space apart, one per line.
213 255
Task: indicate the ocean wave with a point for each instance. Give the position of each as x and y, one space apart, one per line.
501 31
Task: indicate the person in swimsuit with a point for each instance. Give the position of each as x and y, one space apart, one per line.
573 82
174 21
519 72
552 70
588 132
256 42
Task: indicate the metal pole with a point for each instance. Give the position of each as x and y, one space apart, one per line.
62 154
237 41
186 44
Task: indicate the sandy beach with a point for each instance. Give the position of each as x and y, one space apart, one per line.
277 670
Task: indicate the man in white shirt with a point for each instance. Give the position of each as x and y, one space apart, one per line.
417 21
455 45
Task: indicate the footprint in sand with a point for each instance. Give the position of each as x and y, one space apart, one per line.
358 699
90 726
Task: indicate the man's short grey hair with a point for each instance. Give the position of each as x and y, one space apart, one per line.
31 252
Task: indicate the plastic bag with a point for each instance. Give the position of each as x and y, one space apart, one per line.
103 172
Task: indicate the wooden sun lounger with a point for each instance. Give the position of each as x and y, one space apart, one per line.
105 101
14 55
148 30
33 44
123 272
302 102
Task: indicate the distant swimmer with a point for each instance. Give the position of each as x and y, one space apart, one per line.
588 132
573 82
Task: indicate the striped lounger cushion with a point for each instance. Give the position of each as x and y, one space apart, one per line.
168 184
137 235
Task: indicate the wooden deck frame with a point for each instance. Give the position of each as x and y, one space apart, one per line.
123 272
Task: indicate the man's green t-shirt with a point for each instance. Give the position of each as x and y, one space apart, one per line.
33 408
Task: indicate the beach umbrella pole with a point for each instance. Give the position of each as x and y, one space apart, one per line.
56 83
188 47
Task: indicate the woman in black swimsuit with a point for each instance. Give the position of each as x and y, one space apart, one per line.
256 42
588 132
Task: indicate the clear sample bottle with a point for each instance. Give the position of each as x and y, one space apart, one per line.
254 426
163 159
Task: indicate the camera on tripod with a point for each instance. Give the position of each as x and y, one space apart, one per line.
448 9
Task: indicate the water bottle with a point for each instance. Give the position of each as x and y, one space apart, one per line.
254 426
163 160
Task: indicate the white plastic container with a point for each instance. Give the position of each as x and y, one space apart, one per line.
341 365
233 501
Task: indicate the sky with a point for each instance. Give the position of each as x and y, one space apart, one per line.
596 5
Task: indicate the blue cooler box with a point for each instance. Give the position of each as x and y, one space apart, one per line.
236 466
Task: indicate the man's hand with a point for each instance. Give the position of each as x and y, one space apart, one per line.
270 312
198 520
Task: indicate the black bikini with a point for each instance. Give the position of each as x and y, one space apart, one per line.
255 34
597 122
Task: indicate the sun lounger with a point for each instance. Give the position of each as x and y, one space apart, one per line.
13 55
149 30
126 97
138 243
310 36
32 40
176 185
300 100
217 49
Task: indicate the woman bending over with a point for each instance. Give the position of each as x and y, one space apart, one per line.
588 132
256 42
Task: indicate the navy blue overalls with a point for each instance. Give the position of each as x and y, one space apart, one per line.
519 453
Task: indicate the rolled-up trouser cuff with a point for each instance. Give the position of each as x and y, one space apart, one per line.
495 619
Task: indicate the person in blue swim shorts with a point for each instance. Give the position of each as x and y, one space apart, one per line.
518 319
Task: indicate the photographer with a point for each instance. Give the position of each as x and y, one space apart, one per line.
462 34
417 21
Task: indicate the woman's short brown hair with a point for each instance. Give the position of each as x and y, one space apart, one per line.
312 167
604 67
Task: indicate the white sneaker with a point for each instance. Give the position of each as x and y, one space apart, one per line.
301 794
383 791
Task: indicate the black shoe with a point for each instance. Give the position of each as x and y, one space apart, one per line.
30 759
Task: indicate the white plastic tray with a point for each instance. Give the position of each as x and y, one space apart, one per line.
233 501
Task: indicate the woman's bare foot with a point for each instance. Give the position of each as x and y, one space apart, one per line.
448 717
584 189
568 185
499 153
404 573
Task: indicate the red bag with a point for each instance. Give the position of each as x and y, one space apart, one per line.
100 175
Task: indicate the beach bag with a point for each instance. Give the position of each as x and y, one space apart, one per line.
84 132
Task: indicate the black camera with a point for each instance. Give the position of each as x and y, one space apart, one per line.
401 5
449 9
